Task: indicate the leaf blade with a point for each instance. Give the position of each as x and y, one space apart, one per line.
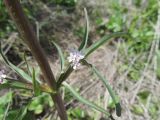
105 82
100 42
85 39
15 68
16 85
60 55
112 94
83 100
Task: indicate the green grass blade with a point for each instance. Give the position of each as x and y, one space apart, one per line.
34 82
22 113
61 55
15 68
83 100
36 86
103 40
85 39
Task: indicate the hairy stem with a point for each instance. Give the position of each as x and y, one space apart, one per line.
29 37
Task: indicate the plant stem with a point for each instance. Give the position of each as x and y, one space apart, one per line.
29 37
64 76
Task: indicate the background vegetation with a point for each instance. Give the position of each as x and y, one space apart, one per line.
130 64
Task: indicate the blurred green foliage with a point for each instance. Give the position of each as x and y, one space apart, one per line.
4 101
39 103
66 2
78 114
137 109
5 23
139 24
138 21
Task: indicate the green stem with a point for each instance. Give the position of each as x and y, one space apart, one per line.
64 76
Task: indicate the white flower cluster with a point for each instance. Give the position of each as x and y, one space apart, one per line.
2 76
74 58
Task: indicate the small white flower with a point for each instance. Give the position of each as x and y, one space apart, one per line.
2 76
74 58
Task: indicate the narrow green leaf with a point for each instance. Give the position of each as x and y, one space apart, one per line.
15 68
60 54
105 82
83 100
34 82
103 79
103 40
11 83
112 94
25 59
36 86
85 39
16 85
22 113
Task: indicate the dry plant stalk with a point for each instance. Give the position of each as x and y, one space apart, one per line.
29 37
